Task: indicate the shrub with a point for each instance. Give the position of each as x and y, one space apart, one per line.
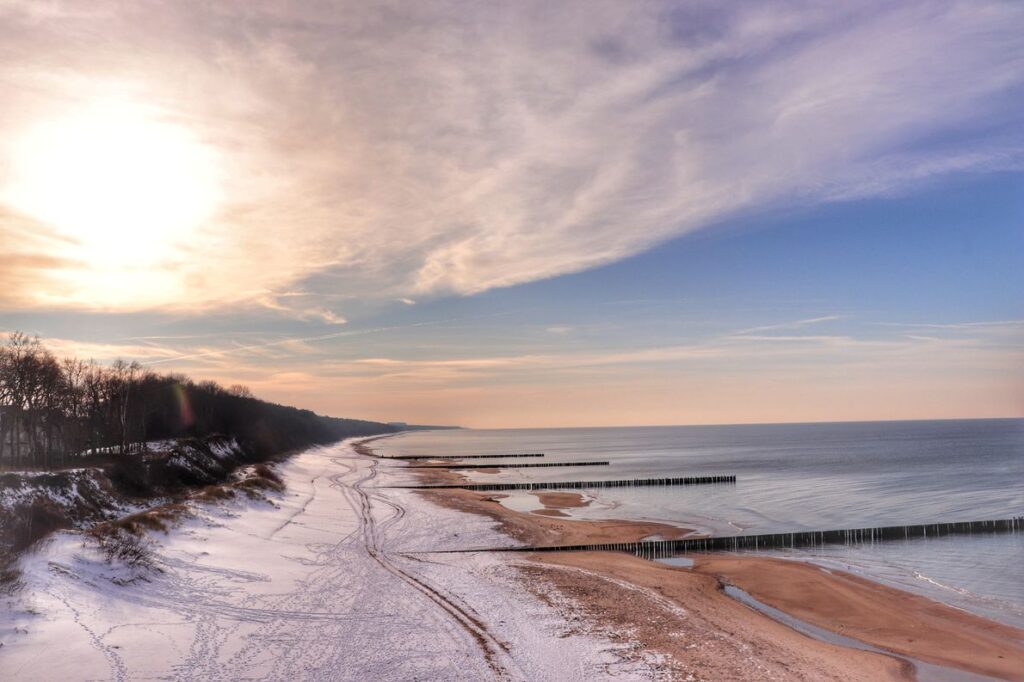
119 543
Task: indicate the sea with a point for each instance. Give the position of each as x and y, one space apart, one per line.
791 477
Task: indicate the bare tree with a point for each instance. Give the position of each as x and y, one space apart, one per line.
240 390
54 410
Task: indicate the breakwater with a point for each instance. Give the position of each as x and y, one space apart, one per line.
657 549
514 465
563 485
509 456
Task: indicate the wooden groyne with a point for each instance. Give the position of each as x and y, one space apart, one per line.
657 549
514 465
509 456
563 485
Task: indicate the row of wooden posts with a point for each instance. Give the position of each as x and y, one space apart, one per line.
514 465
579 485
655 549
509 456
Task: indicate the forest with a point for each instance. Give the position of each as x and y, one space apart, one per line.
60 412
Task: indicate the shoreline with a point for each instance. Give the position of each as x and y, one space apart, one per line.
877 615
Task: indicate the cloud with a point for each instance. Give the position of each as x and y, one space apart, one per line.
1008 326
729 353
791 325
870 372
282 303
716 380
399 151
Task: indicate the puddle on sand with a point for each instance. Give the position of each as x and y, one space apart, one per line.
529 502
926 672
522 502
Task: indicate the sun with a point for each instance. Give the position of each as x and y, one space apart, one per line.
122 185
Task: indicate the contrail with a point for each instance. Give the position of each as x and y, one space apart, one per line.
322 337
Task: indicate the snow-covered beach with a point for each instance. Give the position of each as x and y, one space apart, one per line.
342 577
323 582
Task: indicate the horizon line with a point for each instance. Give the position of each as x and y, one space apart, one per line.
765 423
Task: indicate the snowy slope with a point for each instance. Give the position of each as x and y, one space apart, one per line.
325 582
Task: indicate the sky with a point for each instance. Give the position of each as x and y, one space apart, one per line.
527 214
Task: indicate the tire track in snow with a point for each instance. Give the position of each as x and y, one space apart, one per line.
495 651
321 645
332 603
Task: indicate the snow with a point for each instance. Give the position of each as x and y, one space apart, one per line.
337 578
225 448
68 489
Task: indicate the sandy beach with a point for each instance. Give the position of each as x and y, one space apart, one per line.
681 612
345 573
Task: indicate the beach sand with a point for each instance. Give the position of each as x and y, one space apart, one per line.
685 615
877 614
538 529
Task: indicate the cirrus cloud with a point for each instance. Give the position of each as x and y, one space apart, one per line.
398 150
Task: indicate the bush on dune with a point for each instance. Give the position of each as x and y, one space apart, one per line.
120 545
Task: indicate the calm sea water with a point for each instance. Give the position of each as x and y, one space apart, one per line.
799 477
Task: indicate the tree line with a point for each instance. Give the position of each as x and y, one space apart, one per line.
56 411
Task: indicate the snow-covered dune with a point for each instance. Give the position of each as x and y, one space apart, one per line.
326 581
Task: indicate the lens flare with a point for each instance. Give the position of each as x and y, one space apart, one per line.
185 413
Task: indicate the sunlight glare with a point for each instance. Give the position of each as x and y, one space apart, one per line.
123 186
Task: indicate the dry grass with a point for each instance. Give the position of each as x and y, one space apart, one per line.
260 480
267 474
214 493
124 540
151 520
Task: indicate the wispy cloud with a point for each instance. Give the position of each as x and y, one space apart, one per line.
451 147
790 325
724 378
729 353
996 325
283 303
965 368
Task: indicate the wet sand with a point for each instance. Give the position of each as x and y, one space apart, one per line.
877 614
555 503
688 619
884 617
534 529
562 500
684 614
717 639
